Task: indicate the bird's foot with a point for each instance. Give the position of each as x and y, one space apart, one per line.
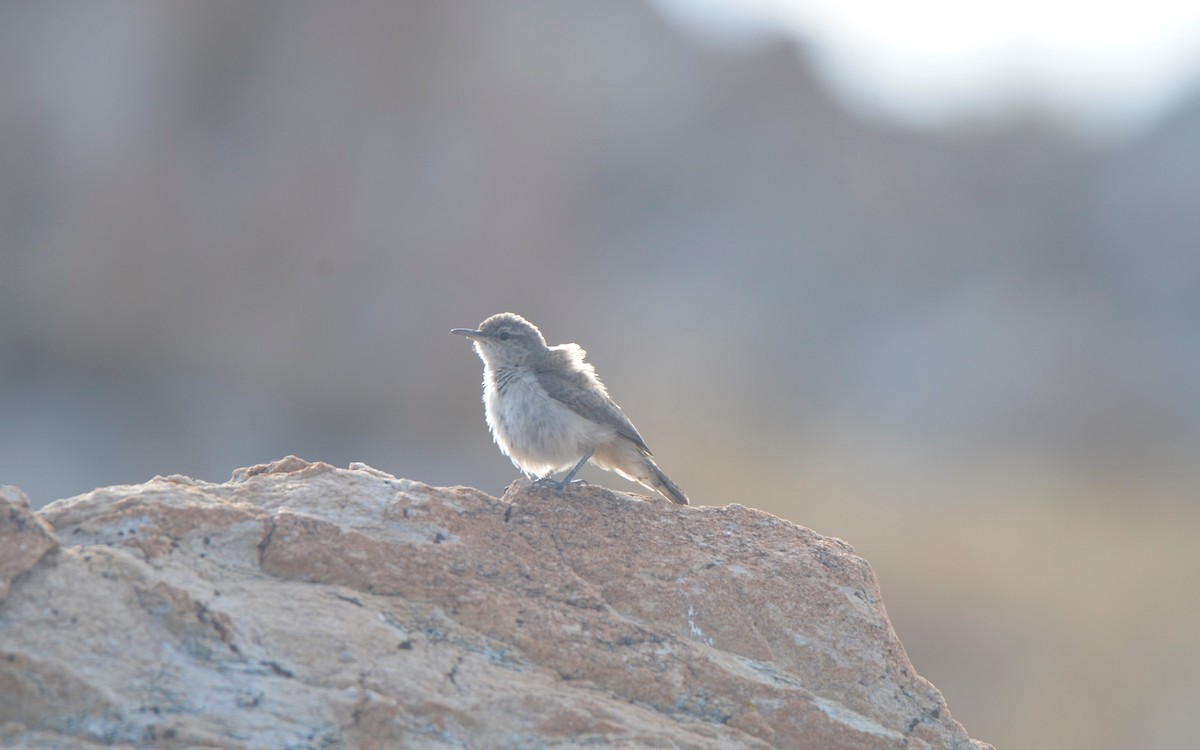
559 486
550 482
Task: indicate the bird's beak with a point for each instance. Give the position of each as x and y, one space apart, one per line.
469 332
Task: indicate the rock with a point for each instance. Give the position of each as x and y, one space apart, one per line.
305 606
24 538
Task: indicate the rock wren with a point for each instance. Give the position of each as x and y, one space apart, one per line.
548 411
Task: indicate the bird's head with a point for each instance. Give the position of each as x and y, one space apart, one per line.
506 339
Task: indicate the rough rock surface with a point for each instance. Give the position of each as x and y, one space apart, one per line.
304 606
24 538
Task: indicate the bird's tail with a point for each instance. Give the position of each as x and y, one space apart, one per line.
662 483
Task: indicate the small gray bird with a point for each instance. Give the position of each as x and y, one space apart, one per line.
548 411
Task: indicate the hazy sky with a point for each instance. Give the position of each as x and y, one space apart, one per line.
1105 68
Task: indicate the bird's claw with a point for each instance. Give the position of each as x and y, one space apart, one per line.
549 482
558 486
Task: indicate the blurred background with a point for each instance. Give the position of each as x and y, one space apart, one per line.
920 277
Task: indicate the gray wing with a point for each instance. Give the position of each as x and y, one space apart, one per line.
578 391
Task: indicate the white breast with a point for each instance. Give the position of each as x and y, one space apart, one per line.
540 435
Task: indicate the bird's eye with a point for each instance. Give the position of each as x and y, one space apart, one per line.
505 336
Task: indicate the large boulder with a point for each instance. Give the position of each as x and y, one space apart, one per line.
304 606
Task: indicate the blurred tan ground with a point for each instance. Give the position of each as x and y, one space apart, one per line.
1054 610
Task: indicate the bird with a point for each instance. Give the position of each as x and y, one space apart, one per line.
548 411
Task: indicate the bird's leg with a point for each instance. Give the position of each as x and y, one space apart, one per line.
571 475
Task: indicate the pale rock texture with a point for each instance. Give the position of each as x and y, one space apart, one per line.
304 606
24 538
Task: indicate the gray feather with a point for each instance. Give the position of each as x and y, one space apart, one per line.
583 393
